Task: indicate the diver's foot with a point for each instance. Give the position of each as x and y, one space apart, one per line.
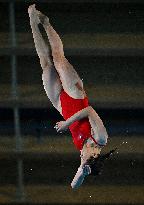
33 14
44 20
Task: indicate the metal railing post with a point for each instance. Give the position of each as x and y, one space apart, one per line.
20 196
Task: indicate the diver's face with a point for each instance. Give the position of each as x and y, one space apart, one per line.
93 149
90 149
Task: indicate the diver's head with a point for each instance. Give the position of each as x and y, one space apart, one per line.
90 149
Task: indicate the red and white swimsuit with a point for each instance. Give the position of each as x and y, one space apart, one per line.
80 130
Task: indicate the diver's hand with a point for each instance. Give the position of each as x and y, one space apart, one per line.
61 126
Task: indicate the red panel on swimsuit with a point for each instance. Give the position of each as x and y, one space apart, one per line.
80 130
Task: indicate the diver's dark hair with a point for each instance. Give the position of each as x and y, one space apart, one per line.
97 164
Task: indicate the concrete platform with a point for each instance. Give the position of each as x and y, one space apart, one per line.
113 96
84 44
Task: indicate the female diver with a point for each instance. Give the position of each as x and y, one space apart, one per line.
64 89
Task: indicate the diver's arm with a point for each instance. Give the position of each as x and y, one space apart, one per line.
63 125
88 112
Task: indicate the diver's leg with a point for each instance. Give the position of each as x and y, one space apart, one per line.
51 80
70 79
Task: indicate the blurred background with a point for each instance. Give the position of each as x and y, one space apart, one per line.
104 41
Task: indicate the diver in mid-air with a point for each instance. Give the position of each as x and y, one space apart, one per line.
65 90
